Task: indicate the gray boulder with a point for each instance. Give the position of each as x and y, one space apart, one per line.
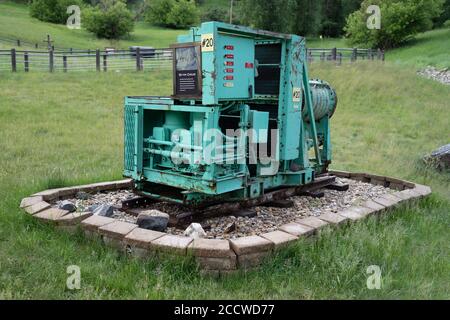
153 220
81 195
67 205
104 210
440 158
195 231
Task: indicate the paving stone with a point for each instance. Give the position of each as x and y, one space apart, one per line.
113 242
48 195
26 202
279 238
404 183
312 222
72 229
403 196
250 244
215 248
297 229
217 263
422 190
51 214
373 205
252 260
355 213
137 252
117 229
408 194
94 222
340 173
385 202
171 244
333 218
73 218
66 191
142 237
37 207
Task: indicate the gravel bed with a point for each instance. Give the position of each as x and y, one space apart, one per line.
267 218
443 76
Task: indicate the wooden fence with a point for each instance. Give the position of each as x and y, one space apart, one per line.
84 60
341 54
137 59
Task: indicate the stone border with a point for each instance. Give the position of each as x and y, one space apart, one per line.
214 256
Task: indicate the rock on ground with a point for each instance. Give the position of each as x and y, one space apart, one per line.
104 210
67 205
442 76
439 158
195 231
153 220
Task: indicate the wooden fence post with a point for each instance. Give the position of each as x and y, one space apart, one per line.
355 54
138 59
382 55
105 63
97 59
340 58
26 61
50 61
18 42
334 53
64 63
13 60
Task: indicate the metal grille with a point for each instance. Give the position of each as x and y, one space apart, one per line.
130 144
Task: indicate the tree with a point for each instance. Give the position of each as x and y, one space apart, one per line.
172 13
109 19
54 11
445 16
400 21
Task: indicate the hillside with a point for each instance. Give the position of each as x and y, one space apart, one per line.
35 31
382 125
429 48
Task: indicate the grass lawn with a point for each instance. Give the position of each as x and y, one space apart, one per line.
66 129
16 23
430 48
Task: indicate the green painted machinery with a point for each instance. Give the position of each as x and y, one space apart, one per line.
244 119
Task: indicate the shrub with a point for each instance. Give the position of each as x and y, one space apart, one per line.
109 19
447 24
172 13
216 14
400 21
54 11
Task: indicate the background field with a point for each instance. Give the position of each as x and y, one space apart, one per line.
66 129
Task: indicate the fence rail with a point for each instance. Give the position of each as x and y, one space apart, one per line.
89 60
138 59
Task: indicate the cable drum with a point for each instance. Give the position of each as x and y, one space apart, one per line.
324 100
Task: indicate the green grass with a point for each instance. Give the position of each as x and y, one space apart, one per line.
63 129
16 23
326 43
431 48
66 129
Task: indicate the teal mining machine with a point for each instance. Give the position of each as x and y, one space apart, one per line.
244 126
